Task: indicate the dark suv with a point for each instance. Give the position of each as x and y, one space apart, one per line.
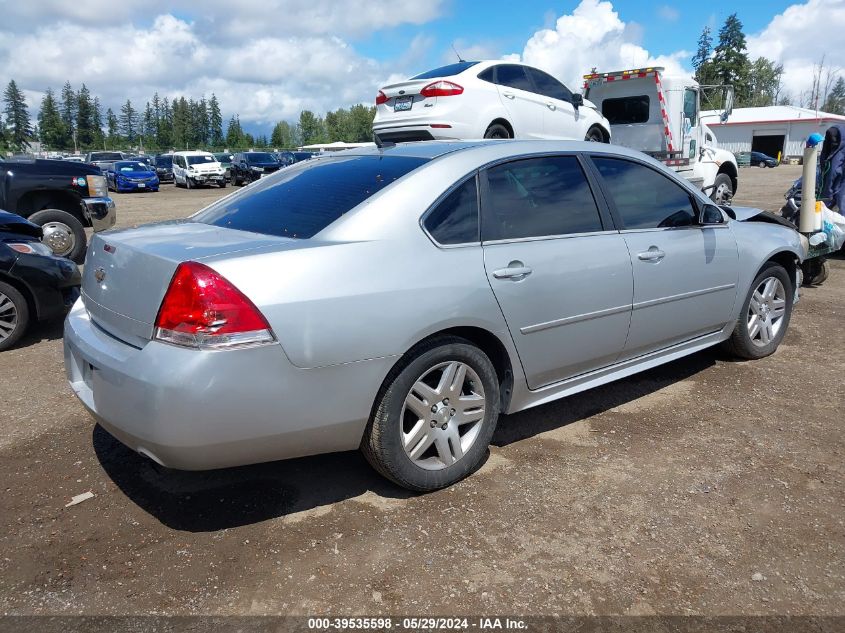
164 167
249 166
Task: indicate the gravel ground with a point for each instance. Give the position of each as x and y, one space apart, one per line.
705 486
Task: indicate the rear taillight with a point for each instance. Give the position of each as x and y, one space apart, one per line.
203 310
441 89
381 98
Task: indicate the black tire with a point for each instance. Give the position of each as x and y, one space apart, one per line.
723 190
223 184
235 181
740 343
594 135
188 183
497 130
79 244
14 312
815 271
382 441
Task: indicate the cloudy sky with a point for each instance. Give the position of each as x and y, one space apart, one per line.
269 59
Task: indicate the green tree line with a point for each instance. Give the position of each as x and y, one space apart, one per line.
74 119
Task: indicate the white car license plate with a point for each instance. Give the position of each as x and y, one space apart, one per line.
142 185
403 103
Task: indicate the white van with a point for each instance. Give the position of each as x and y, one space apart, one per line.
191 169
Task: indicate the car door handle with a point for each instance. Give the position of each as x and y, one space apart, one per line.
551 106
508 95
653 254
516 270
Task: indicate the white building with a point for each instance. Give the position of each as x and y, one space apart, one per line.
772 130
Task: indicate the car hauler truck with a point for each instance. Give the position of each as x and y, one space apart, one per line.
660 115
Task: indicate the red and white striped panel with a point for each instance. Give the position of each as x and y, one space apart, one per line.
667 132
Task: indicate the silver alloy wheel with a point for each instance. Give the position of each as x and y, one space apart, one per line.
442 415
59 237
723 194
766 311
8 317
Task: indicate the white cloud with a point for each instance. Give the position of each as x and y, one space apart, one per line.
799 37
668 13
266 62
592 36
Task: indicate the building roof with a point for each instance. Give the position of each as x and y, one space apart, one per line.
774 114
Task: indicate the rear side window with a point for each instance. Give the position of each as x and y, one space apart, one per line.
644 198
302 200
513 76
446 71
626 109
538 197
455 219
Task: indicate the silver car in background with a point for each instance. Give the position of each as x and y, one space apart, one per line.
399 299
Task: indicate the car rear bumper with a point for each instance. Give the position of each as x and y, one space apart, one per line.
423 131
100 212
197 410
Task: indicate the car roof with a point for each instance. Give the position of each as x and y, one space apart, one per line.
496 148
193 152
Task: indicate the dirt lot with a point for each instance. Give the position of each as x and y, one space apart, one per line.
705 486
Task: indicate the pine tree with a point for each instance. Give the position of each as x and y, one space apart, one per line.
835 102
68 109
234 134
84 117
50 124
128 122
112 129
730 59
18 124
282 136
97 120
701 61
215 122
148 126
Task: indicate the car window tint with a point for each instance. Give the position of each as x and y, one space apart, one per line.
645 198
455 219
538 197
549 86
513 76
624 110
446 71
302 200
488 75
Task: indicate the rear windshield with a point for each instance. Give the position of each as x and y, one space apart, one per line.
626 109
106 156
302 200
259 157
446 71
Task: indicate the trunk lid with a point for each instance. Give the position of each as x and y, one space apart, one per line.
410 88
128 271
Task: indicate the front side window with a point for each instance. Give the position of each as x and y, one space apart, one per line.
548 86
644 198
538 197
513 76
302 200
625 110
455 219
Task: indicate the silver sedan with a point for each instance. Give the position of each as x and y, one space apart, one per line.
397 300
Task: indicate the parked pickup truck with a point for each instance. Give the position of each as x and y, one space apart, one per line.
61 197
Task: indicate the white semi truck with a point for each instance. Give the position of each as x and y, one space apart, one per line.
660 115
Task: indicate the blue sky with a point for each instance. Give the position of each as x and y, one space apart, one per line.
505 25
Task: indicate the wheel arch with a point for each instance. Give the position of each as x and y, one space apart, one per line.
605 134
484 339
34 201
28 295
787 259
729 169
501 121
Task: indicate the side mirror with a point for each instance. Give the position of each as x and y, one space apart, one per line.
577 100
711 214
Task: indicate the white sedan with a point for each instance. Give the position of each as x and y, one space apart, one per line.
486 99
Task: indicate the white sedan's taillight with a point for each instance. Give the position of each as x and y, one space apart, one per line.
381 98
441 89
203 310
